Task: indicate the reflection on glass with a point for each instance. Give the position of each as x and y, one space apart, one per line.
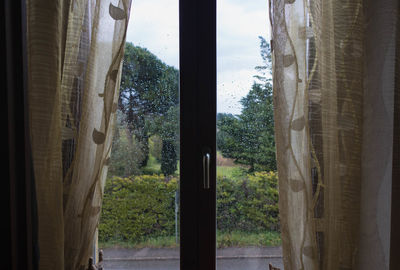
248 234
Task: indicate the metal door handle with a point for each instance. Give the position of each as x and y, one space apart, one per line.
206 171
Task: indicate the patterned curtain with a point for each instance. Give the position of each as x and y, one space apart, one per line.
334 88
75 49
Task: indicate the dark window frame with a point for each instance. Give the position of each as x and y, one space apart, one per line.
197 132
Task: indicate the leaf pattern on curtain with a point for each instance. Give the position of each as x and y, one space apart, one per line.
116 13
318 74
334 129
73 92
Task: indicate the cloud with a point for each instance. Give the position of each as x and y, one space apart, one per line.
154 24
231 87
239 23
242 18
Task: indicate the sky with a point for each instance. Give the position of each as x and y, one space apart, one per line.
154 24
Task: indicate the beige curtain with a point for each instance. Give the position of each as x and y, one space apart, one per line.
334 84
75 49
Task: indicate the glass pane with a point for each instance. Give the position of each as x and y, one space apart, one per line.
139 225
248 234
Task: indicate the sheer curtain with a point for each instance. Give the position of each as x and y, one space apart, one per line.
75 49
334 84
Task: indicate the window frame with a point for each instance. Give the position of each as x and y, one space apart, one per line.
197 36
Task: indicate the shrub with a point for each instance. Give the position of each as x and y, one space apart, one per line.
248 204
136 207
140 207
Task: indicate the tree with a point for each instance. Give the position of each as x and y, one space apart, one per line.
149 88
126 152
249 137
265 71
167 126
168 158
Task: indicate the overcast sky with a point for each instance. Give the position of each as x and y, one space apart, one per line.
154 24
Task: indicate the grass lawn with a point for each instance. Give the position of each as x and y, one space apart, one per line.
151 242
224 239
231 172
154 167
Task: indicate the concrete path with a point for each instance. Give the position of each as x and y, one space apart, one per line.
248 258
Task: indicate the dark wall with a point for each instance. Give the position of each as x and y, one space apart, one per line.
17 190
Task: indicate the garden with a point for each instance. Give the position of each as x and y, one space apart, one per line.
141 195
139 211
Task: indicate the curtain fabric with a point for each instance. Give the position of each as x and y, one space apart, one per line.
75 50
334 84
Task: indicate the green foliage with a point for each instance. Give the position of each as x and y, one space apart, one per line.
249 204
152 167
242 239
249 137
139 208
224 239
136 207
169 158
231 172
155 147
126 151
147 242
228 134
167 127
149 89
265 71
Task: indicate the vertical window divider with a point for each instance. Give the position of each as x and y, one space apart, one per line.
198 132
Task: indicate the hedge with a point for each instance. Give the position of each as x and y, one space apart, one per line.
139 207
249 204
136 207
